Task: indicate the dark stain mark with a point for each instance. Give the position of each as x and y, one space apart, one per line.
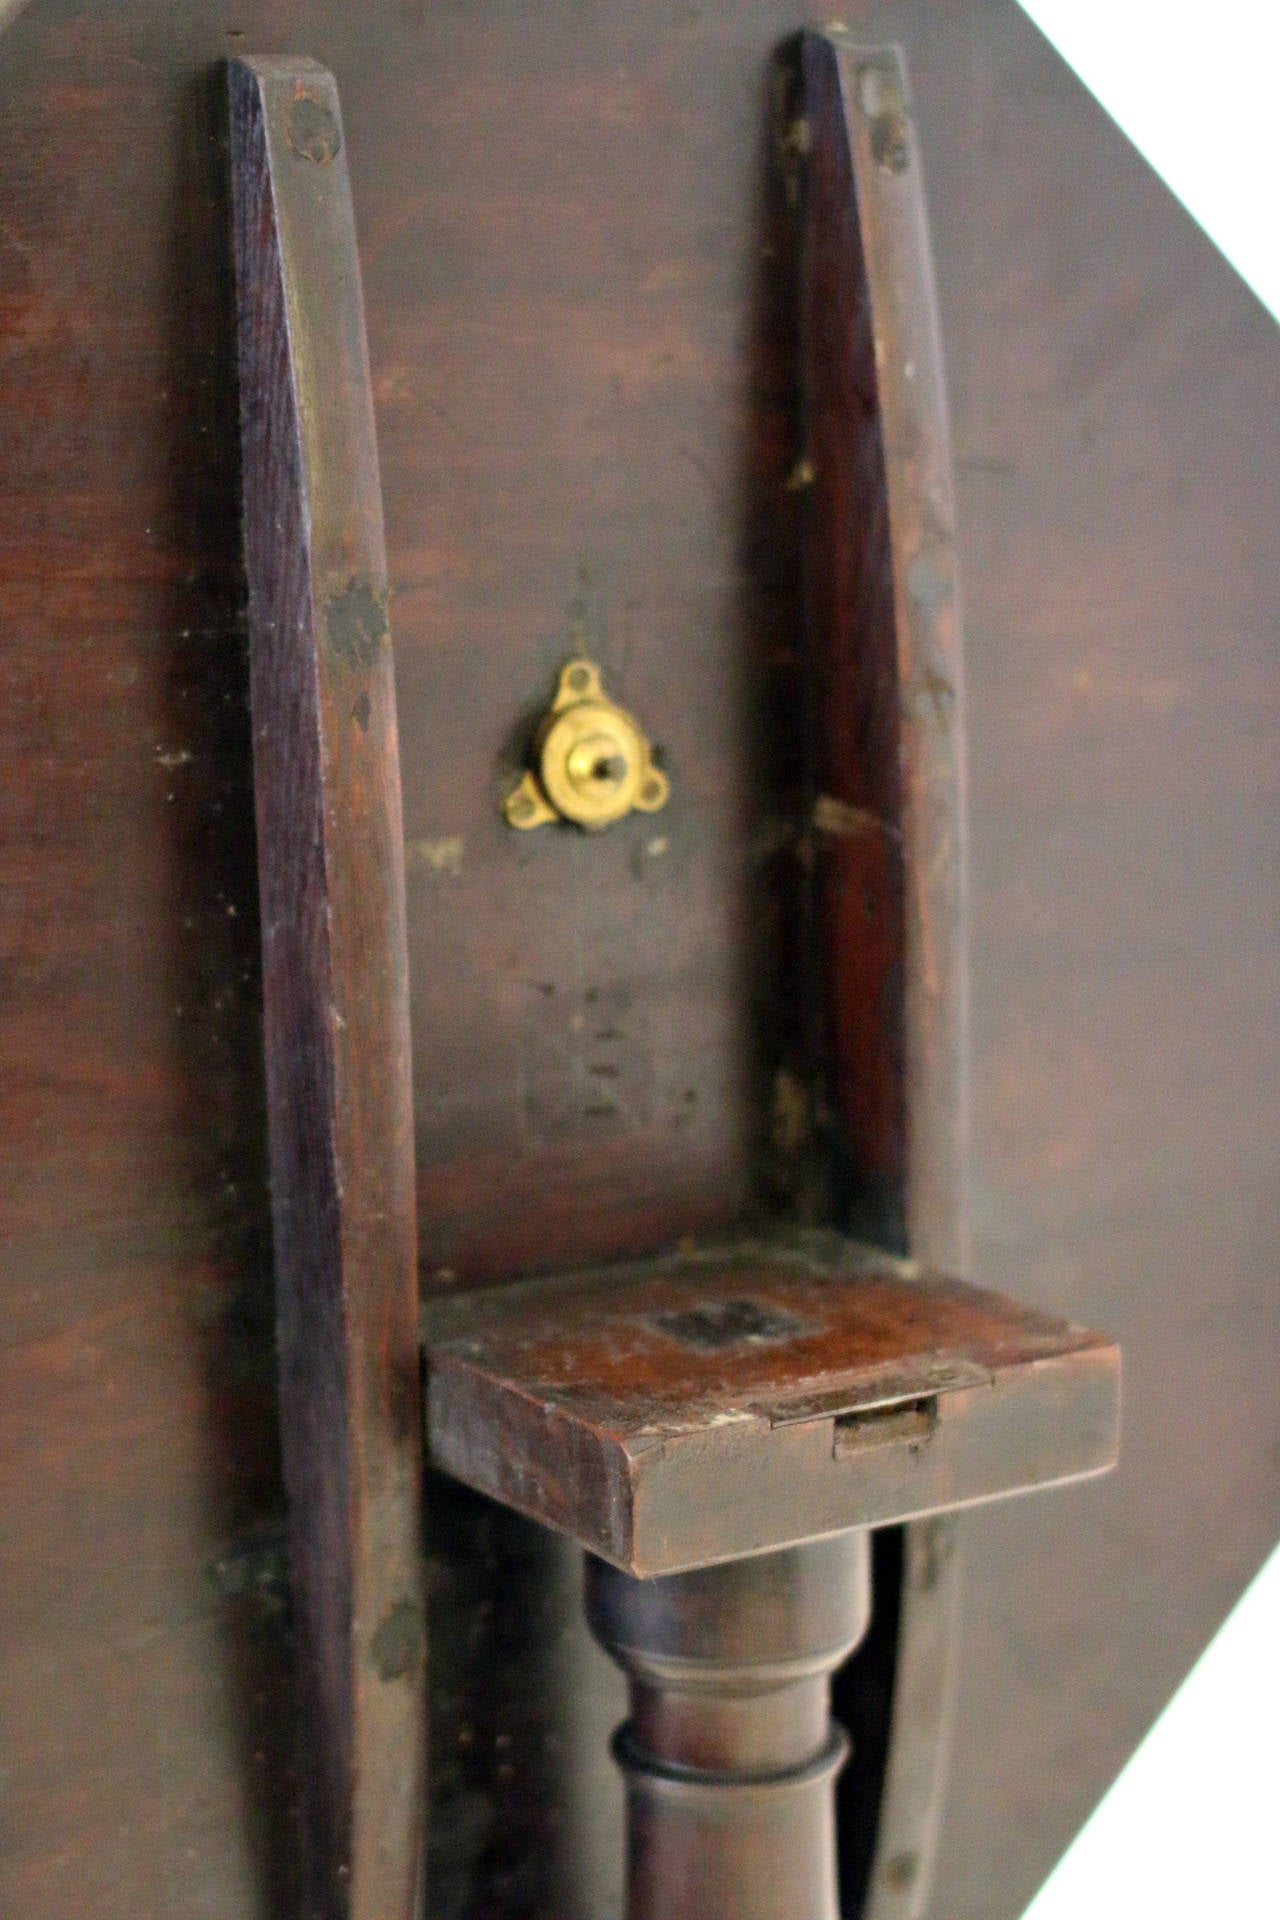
928 579
255 1568
312 130
356 624
900 1872
939 692
397 1647
889 143
583 1065
880 97
360 712
937 1541
403 1398
728 1323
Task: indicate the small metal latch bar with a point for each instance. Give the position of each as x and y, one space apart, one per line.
922 1377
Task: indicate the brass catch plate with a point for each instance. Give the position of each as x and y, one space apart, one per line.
592 763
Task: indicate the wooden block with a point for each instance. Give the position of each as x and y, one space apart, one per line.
733 1401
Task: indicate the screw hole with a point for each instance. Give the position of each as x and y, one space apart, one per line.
579 679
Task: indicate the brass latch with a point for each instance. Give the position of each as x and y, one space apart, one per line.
591 762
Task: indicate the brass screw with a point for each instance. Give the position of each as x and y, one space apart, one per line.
596 765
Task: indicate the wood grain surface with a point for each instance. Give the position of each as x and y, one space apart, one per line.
336 994
887 974
585 402
730 1402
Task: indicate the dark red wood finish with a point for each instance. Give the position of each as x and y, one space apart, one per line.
584 380
888 1051
746 1398
336 991
884 649
729 1753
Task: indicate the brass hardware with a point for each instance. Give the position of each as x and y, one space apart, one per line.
592 763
